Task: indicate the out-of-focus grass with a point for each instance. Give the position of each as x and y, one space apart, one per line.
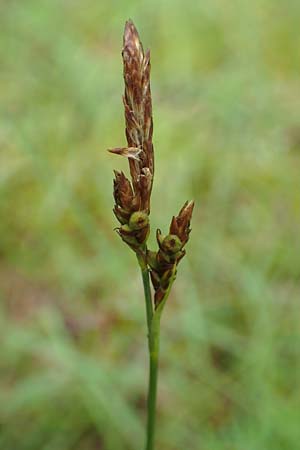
226 100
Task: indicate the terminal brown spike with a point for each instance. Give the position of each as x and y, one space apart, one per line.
132 197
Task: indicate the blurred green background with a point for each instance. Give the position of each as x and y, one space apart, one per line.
73 352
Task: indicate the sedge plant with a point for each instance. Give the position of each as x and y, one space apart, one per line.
132 206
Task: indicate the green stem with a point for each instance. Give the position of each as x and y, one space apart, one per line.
152 390
147 293
153 344
153 325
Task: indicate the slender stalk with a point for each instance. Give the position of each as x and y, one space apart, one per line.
152 389
148 299
153 341
153 344
153 325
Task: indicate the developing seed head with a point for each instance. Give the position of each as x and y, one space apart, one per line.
171 244
126 234
171 250
138 220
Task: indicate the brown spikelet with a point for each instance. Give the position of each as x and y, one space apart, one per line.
138 129
123 193
138 112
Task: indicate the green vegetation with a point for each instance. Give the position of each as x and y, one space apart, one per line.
73 366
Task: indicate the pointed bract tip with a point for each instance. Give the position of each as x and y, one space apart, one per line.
129 26
187 208
131 34
128 152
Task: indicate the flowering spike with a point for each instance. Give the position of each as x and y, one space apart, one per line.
138 111
134 197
